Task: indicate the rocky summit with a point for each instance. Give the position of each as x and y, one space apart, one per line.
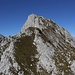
40 48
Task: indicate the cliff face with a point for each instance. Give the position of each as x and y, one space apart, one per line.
41 48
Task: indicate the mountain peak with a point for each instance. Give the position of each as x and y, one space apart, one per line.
35 21
32 15
42 48
30 22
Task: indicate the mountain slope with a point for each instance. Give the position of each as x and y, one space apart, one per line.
41 48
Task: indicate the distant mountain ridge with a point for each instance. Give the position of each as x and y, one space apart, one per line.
40 48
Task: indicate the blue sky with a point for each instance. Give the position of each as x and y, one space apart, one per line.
13 13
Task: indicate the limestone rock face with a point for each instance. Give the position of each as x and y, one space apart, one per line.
41 48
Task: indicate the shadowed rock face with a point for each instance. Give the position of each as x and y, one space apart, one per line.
41 48
2 38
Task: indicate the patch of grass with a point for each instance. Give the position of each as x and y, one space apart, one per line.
1 73
62 68
25 53
62 58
